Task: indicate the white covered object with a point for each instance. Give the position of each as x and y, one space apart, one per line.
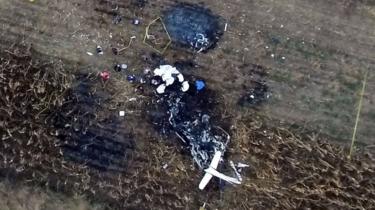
180 77
167 72
161 89
169 80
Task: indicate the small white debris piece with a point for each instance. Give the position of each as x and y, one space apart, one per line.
90 53
226 27
154 82
165 166
124 66
132 99
142 80
122 113
146 71
161 89
282 26
242 165
272 55
136 21
185 86
239 177
203 207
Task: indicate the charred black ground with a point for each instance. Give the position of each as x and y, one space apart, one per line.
193 26
191 117
256 95
85 136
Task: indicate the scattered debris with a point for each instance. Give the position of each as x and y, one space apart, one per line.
242 165
120 67
116 19
156 81
131 78
163 41
105 75
146 71
89 53
136 21
200 85
142 80
99 50
187 115
121 113
193 26
117 51
239 177
256 95
117 68
165 166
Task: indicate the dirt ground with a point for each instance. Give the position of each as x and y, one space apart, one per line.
312 55
21 198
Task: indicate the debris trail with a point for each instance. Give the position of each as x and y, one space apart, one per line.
183 112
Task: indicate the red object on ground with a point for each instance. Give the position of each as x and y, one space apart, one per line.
105 75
